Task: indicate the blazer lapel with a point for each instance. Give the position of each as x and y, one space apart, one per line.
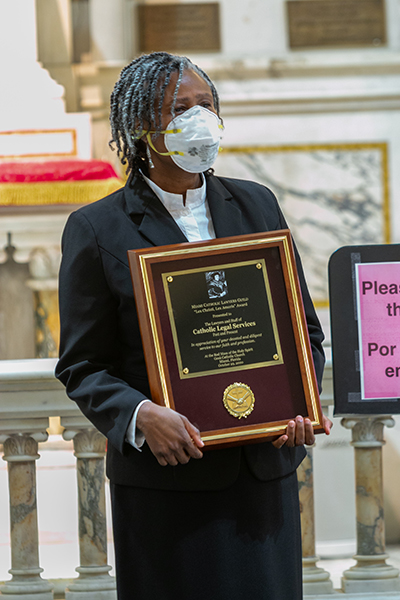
227 218
156 225
150 215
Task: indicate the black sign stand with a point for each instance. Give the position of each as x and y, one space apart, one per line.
344 329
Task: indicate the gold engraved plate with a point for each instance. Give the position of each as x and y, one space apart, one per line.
239 400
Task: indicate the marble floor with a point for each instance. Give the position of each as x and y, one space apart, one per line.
57 516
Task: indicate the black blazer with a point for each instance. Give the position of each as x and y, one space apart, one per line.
101 357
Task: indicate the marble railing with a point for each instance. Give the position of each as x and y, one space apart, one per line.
29 395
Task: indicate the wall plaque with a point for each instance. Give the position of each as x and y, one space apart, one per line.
179 27
336 23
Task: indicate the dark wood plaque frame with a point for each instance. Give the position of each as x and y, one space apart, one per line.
336 23
179 27
282 390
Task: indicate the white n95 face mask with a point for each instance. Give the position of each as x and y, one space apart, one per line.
192 139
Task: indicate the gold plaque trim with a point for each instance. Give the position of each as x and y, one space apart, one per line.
153 326
239 400
303 333
256 430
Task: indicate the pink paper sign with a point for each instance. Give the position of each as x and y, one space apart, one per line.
378 310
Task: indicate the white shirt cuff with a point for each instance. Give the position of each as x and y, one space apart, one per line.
133 435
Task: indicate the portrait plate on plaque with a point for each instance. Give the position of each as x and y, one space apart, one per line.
225 336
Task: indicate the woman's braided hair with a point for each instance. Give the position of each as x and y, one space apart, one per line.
137 100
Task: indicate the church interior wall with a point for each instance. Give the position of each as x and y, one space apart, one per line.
271 96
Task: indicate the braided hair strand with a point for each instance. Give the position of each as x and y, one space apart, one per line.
137 100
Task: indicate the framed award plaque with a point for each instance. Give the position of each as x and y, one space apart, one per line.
225 336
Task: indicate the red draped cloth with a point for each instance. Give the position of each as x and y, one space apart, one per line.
56 182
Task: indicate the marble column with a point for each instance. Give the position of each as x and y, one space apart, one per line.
371 573
315 579
107 21
21 452
94 581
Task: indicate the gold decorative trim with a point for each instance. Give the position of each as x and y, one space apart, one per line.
57 192
73 152
239 434
299 321
349 147
226 246
248 432
153 326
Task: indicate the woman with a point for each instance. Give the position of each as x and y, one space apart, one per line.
186 525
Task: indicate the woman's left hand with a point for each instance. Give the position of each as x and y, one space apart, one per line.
300 431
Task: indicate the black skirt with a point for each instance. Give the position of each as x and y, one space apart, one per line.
233 544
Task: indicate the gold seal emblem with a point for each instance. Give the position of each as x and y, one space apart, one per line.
239 400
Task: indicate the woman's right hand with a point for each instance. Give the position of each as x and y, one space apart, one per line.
170 436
